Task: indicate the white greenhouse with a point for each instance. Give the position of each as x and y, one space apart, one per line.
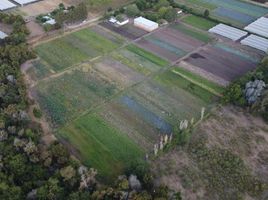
145 24
228 32
5 4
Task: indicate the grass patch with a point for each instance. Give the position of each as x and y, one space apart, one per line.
74 48
100 145
199 22
199 80
193 33
147 55
226 175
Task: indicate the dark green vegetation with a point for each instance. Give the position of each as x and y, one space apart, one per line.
63 15
199 22
153 10
235 92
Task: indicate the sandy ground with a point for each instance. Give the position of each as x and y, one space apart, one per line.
44 6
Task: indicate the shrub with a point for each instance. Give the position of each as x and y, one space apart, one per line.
37 113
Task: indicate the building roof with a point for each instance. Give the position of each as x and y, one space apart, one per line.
145 21
256 42
260 27
22 2
3 35
5 4
228 32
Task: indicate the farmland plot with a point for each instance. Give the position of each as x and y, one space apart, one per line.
100 145
170 43
128 31
64 97
39 70
221 63
169 105
236 12
118 72
139 60
74 48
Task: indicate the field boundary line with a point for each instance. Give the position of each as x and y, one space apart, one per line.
197 83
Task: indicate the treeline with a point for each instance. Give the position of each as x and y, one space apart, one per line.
31 170
236 93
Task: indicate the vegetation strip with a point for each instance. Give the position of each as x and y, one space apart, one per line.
197 83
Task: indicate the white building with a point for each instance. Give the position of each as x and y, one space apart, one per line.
145 24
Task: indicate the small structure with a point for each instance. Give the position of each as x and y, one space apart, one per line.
119 20
145 24
50 21
228 32
256 42
260 27
5 5
2 35
112 20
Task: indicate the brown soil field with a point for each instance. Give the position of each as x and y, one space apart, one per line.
161 52
220 63
128 31
178 39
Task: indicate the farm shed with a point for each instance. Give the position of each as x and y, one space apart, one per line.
256 42
25 2
228 32
5 4
260 27
145 24
2 35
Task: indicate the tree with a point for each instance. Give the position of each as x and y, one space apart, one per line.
132 10
170 15
141 4
206 13
50 191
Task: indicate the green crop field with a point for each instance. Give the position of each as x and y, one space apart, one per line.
199 22
74 48
100 145
193 33
64 97
39 70
137 62
173 80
